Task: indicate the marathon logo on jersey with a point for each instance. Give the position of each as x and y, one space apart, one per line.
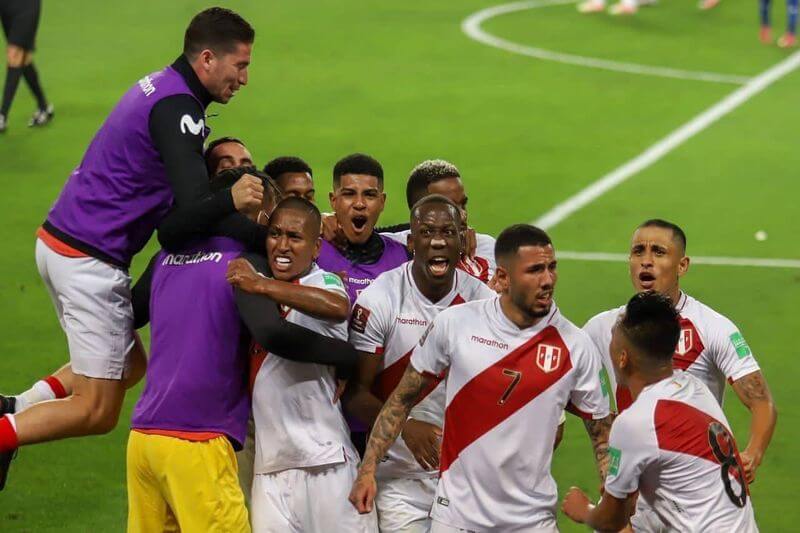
359 318
489 342
146 85
191 259
548 358
685 342
188 125
411 321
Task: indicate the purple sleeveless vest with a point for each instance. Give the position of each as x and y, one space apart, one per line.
197 376
358 277
119 193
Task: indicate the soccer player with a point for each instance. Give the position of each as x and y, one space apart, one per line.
388 320
224 153
513 364
789 39
20 19
305 463
293 176
436 176
195 404
710 346
146 157
673 445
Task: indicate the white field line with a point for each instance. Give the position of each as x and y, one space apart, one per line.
471 26
738 97
696 260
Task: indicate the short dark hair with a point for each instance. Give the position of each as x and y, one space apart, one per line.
651 323
514 237
357 164
284 164
677 232
213 144
424 174
295 203
218 29
437 199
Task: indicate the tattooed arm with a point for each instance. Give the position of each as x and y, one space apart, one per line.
387 427
598 431
752 389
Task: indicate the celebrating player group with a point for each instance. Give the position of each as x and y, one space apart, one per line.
313 372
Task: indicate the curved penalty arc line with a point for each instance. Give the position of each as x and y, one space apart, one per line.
471 26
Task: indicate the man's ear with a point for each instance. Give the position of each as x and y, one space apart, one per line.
501 279
683 266
317 247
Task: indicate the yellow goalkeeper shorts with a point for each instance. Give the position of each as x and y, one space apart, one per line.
180 485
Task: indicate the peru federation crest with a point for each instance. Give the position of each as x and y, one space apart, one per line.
548 358
685 342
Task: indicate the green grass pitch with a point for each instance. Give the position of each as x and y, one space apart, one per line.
401 81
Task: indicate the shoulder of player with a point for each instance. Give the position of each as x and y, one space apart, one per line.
577 340
318 277
710 321
471 288
485 244
384 288
606 319
632 422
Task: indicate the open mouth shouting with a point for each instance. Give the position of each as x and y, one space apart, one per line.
545 298
438 266
282 263
359 223
647 280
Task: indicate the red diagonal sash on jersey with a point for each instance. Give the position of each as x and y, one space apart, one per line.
477 408
689 348
390 376
685 429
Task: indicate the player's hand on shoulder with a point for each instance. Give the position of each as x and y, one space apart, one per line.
243 275
425 442
362 495
248 193
576 505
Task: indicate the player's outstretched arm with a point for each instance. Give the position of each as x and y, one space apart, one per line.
611 514
754 393
598 431
384 432
314 301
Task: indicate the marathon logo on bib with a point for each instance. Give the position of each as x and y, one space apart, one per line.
548 358
189 125
684 342
359 318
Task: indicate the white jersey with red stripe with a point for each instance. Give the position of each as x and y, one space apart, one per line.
388 319
710 347
297 423
506 389
482 266
675 446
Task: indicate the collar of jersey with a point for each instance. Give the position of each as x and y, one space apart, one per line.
184 68
505 324
446 299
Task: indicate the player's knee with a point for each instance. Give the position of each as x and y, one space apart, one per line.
103 419
27 59
14 56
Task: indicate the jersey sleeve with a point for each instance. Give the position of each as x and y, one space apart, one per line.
370 320
630 451
432 354
589 398
327 282
731 352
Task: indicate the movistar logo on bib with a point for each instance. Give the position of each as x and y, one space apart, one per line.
189 125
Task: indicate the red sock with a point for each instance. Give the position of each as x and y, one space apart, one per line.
8 435
55 384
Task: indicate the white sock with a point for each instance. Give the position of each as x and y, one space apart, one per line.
40 392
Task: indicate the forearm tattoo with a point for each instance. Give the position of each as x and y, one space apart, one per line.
598 431
753 388
392 417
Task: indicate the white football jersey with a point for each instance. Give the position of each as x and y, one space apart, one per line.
297 423
388 319
675 446
710 347
482 267
506 389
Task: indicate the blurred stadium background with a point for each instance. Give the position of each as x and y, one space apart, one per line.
401 81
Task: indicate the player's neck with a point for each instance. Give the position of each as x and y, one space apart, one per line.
638 382
674 294
517 316
432 291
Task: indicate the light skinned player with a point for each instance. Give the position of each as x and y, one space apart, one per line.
146 157
513 363
673 445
